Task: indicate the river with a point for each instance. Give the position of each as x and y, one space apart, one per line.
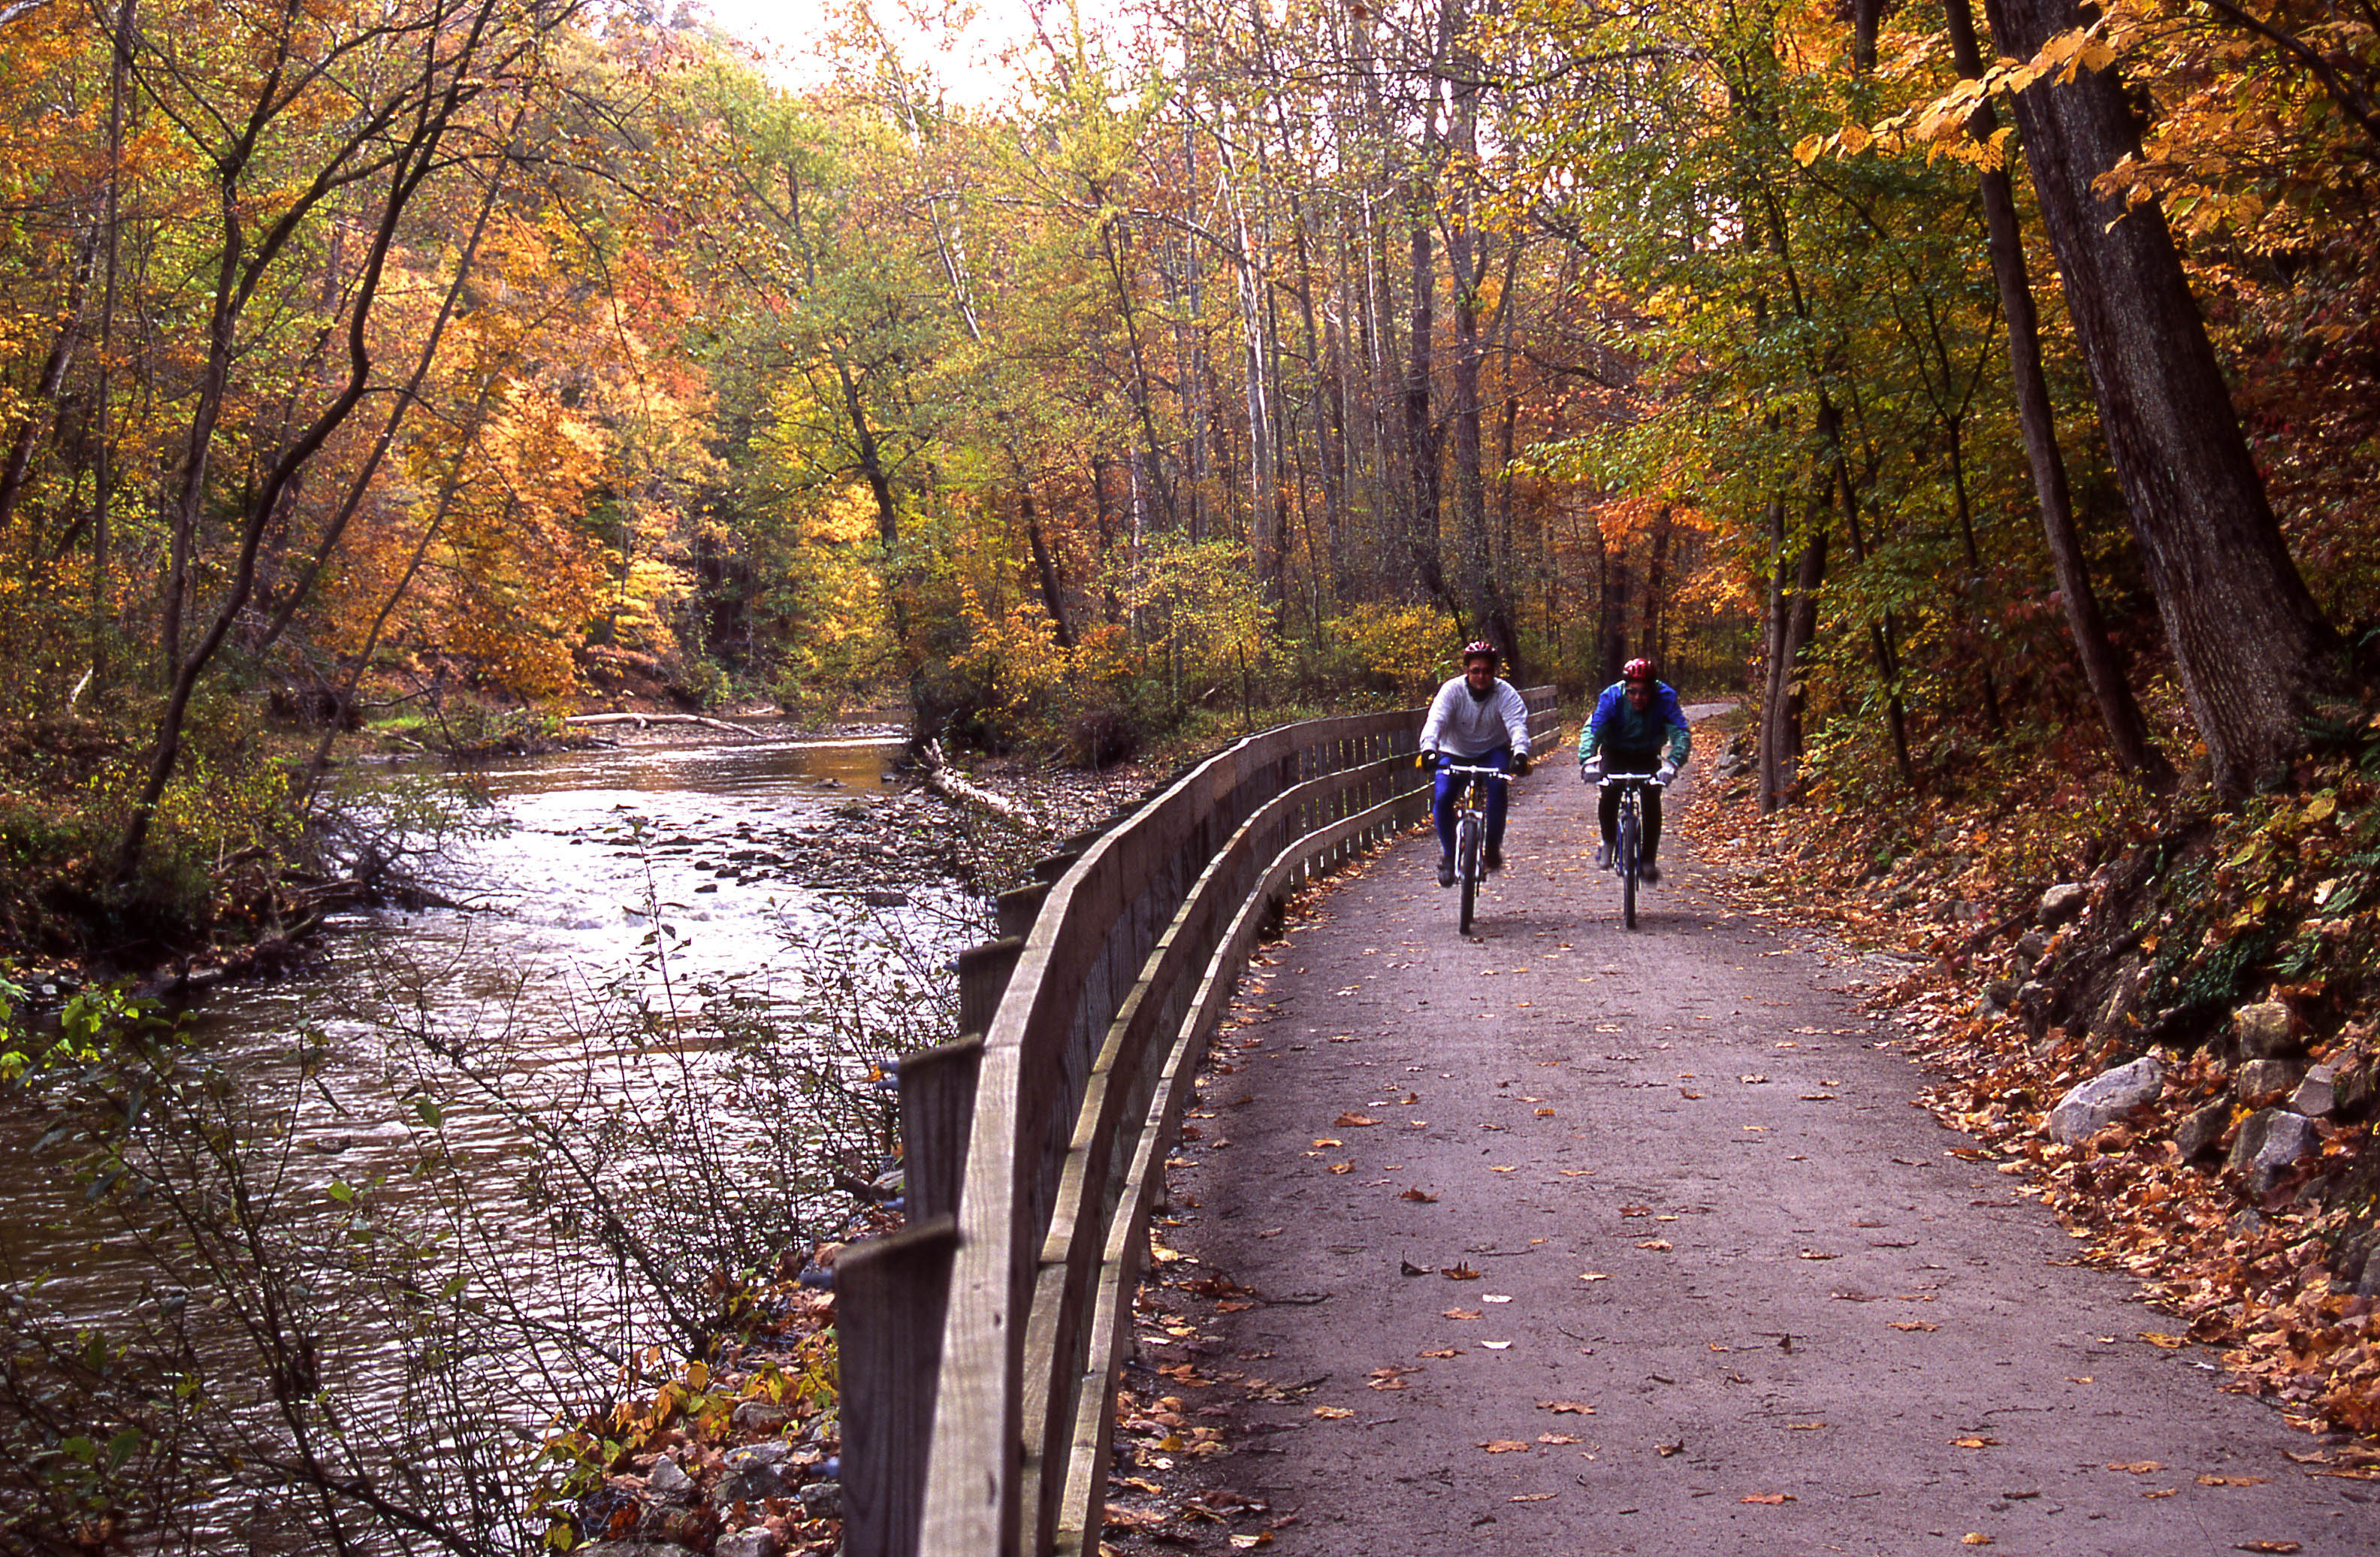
485 1158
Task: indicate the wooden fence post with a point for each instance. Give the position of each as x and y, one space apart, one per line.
983 978
890 1297
936 1110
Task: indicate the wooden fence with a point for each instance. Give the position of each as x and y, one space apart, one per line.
979 1347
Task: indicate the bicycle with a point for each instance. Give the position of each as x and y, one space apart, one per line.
1470 832
1627 855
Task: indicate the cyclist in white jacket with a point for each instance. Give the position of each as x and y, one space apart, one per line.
1477 720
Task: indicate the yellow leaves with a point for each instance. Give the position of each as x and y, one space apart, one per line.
1773 1500
1333 1412
1352 1121
1974 1442
1571 1408
1505 1446
2169 1342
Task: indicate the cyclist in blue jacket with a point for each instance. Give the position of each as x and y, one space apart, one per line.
1636 725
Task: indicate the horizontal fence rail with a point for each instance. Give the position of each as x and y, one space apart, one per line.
980 1345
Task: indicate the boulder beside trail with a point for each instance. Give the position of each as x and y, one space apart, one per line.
2270 1141
2197 1134
2090 1106
2264 1030
2264 1081
2060 904
2317 1095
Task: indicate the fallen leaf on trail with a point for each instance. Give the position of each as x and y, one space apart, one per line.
1333 1412
1974 1537
1410 1099
1354 1120
1976 1442
2162 1492
2230 1480
1754 1080
1406 1267
1328 1141
1915 1324
1495 1297
1463 1313
1592 1276
1460 1274
1139 1483
1772 1499
1635 1211
1244 1543
1803 1426
1817 1096
1343 1167
1441 1352
1690 1097
1814 1254
1556 1438
1389 1382
1529 1497
1498 1346
1544 1114
2136 1467
1505 1446
2081 1379
2169 1342
1504 1170
1163 1255
1666 1450
2266 1546
1659 1246
1574 1407
1576 1172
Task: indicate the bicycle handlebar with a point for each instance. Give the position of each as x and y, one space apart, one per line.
1460 768
1653 779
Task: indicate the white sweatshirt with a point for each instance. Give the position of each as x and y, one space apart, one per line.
1466 727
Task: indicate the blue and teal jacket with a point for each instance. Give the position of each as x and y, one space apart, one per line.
1616 726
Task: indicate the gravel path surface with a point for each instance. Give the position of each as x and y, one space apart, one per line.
1733 1292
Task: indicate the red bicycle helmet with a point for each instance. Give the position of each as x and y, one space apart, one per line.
1636 670
1479 649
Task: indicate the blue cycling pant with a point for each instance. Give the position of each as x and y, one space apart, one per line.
1441 804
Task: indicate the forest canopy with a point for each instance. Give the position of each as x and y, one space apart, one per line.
1245 358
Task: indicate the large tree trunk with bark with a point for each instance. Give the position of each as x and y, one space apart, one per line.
2119 711
2252 647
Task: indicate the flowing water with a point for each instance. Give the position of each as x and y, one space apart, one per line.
651 997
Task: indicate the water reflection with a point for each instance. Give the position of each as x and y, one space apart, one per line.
631 886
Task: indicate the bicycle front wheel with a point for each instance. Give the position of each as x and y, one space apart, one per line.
1467 865
1628 842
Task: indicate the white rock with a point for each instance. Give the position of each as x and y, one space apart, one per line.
2095 1104
2269 1143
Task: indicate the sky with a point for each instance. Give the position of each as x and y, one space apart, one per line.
972 73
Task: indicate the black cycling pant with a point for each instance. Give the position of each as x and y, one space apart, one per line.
1648 795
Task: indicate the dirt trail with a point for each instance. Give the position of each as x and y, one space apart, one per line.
1700 1204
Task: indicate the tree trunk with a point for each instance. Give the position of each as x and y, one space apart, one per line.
1796 613
2252 647
2119 711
